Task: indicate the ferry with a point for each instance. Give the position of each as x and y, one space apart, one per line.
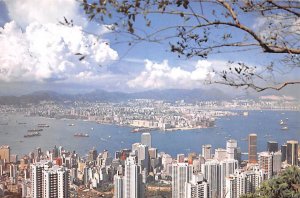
34 130
32 134
136 130
43 125
284 128
81 135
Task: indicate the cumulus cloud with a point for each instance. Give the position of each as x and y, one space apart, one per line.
45 52
46 11
161 75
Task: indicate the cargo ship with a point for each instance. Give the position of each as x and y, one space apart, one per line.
32 134
81 135
43 125
34 130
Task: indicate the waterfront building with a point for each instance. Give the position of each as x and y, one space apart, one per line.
252 148
206 151
283 152
146 139
231 148
272 146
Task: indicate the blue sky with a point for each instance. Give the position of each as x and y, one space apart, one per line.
37 53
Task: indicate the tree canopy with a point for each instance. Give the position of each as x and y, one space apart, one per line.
287 184
205 27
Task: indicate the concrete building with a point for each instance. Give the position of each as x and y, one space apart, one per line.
252 148
181 174
146 139
198 187
5 153
292 152
133 186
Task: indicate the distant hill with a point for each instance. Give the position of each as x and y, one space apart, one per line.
105 96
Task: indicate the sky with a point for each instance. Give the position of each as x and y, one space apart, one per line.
38 53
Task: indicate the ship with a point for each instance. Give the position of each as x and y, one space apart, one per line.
43 125
34 130
81 135
281 122
136 130
245 113
71 124
284 128
32 134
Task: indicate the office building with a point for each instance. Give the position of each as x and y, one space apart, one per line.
212 173
198 187
272 146
231 148
118 186
227 167
220 154
5 153
146 139
252 148
133 186
181 174
292 152
283 152
206 151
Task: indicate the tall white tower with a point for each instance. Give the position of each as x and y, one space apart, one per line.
181 173
133 186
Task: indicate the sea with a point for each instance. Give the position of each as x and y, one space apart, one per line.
266 124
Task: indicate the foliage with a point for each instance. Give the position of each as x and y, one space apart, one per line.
195 32
287 184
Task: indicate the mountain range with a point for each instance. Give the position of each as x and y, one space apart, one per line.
105 96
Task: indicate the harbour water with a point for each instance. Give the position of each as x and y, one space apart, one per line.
265 124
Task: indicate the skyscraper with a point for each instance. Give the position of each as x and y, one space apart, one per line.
265 161
212 173
206 151
272 146
292 152
227 167
47 181
197 187
118 186
181 174
283 152
56 182
133 186
252 150
143 156
146 139
231 148
5 153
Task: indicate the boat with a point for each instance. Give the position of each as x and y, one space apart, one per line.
81 135
22 123
32 134
245 113
34 130
281 122
284 128
136 130
71 124
43 125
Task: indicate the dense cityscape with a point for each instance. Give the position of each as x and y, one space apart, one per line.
143 171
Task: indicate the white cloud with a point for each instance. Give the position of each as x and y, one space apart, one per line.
44 11
45 52
161 75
